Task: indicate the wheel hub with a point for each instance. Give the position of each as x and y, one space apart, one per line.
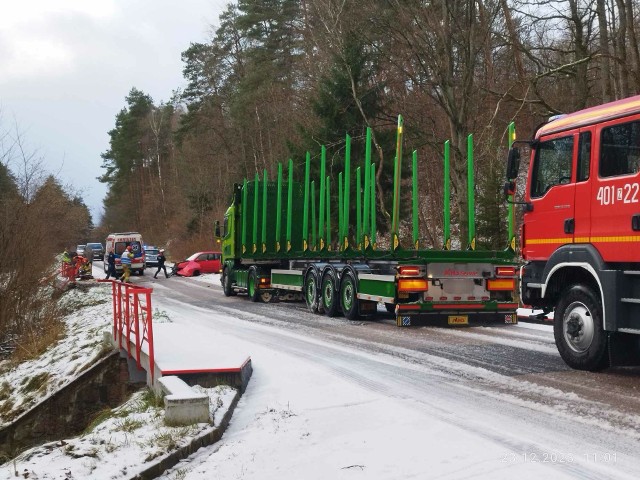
578 327
574 326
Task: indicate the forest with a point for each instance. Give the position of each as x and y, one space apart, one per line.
279 78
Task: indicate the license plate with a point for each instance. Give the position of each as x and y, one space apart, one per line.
458 320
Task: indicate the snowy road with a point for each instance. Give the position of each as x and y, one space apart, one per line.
337 399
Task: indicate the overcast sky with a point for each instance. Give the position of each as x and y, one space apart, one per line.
66 67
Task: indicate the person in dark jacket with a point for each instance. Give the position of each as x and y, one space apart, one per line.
111 265
161 260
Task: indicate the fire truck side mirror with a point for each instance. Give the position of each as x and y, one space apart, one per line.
513 163
509 188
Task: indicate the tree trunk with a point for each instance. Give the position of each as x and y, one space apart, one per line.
605 54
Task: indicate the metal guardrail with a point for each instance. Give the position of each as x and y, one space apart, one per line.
133 320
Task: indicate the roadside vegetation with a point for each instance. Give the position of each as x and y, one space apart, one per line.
39 217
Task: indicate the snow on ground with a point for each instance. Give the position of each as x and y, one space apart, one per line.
120 445
308 414
32 381
120 442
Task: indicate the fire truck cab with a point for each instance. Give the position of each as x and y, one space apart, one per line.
580 236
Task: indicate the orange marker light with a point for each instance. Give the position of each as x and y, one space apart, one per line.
412 285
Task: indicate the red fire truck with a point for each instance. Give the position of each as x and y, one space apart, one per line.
580 235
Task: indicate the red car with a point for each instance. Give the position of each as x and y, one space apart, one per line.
199 262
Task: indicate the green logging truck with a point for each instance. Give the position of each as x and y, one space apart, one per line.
277 240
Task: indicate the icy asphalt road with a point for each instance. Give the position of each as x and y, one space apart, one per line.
504 389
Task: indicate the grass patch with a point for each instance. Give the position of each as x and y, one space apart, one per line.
128 425
5 391
166 441
5 407
35 383
149 399
100 417
32 344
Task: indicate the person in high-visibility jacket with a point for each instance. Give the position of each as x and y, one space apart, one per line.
125 261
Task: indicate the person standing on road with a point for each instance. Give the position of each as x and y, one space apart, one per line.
125 261
161 260
111 265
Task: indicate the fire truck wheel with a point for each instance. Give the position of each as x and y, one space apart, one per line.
348 299
311 292
329 296
226 284
578 329
252 287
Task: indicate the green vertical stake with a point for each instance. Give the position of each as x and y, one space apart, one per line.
470 194
397 171
279 209
245 208
264 212
328 187
289 205
254 235
358 210
323 162
373 206
367 185
447 196
314 225
340 211
347 192
415 199
510 208
305 218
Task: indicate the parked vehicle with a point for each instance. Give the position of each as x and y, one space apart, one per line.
119 242
269 247
580 232
97 250
199 262
151 255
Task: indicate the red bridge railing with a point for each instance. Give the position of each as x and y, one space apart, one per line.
133 320
69 271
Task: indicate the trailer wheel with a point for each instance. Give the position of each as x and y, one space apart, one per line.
226 284
578 331
329 295
348 297
311 291
252 287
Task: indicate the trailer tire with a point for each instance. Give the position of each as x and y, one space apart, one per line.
578 329
329 296
227 288
349 297
311 291
252 287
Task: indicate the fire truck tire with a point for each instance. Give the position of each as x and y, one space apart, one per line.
578 329
226 284
348 297
252 287
329 296
311 292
